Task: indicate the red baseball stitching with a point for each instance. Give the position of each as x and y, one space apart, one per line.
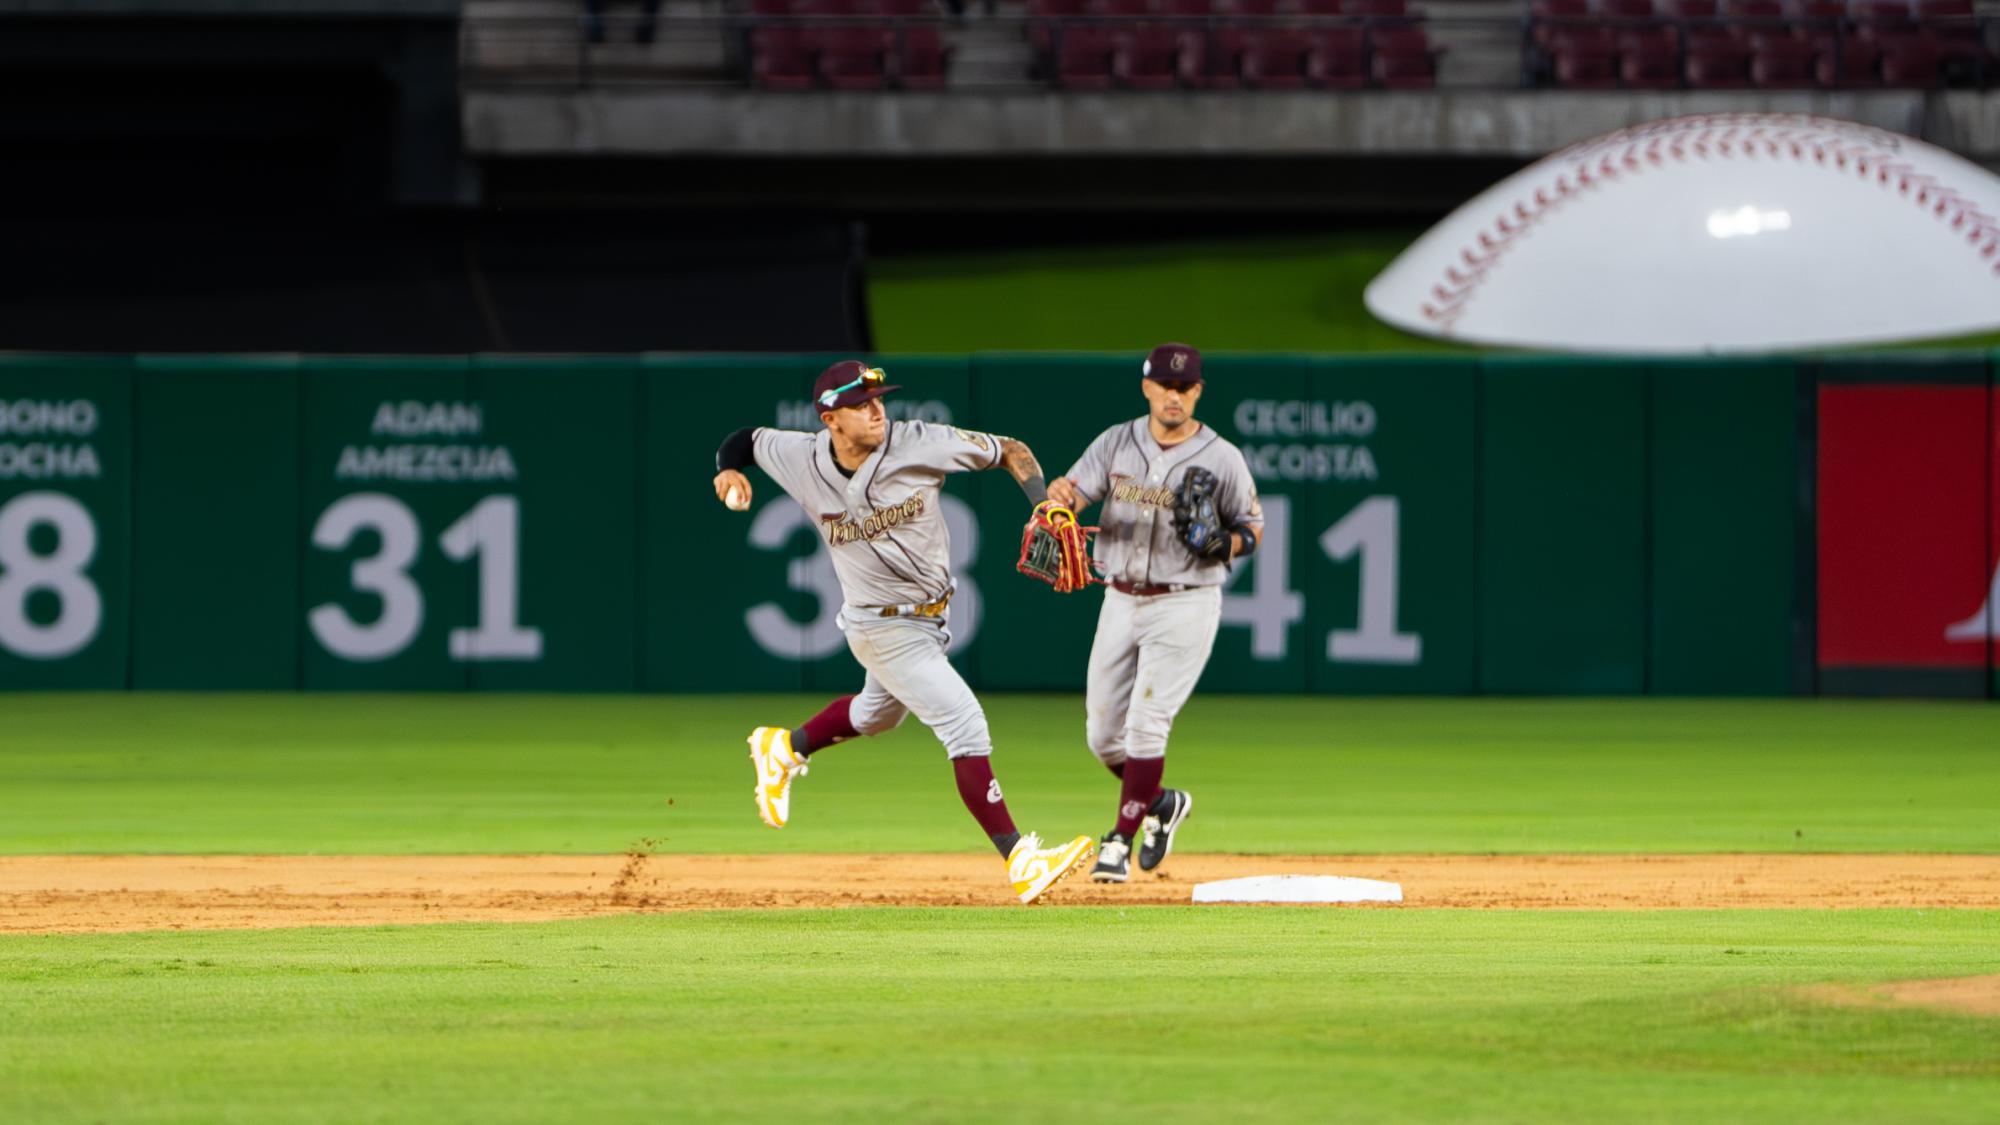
1839 145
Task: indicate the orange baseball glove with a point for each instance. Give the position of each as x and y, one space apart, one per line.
1055 548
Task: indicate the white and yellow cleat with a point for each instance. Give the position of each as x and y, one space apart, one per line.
771 752
1034 868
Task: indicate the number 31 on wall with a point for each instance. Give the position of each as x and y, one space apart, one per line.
491 530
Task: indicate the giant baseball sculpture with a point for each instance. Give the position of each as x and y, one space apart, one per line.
1719 233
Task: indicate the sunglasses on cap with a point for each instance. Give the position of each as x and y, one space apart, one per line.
870 377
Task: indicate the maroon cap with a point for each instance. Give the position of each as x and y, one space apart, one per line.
849 383
1173 363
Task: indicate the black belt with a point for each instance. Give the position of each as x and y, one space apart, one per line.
1139 591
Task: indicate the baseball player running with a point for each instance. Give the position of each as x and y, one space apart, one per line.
1179 506
872 488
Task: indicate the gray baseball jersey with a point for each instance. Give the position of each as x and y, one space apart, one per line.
883 525
1137 478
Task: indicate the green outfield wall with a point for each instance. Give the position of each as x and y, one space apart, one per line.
1440 524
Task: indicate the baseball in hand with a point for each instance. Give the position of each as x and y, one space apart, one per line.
735 499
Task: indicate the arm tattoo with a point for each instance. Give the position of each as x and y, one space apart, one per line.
1020 464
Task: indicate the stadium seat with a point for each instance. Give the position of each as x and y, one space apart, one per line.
1694 20
1912 62
852 58
1846 64
1749 18
1275 59
1223 53
1338 59
1718 66
1882 18
917 54
1951 26
1583 69
1401 58
1583 56
1622 14
1374 9
1083 59
920 58
1146 58
779 59
1779 61
1042 15
1648 59
1553 17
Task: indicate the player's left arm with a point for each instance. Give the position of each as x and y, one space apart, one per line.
1020 463
1237 504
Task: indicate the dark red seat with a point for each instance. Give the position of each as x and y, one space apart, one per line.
1374 9
1882 18
779 59
1146 58
1585 69
1338 59
1649 59
1847 64
1401 58
1223 53
1042 17
1961 49
1083 58
1622 14
1912 62
1695 20
1275 59
1718 66
1584 56
1780 62
1553 17
852 58
1749 18
920 57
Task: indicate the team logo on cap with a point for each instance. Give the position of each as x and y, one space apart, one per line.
1179 362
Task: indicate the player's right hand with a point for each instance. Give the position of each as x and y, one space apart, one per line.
1063 492
732 479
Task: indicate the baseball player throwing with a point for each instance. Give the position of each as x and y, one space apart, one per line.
1179 506
872 486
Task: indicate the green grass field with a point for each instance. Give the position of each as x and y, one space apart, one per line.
1225 294
1182 1014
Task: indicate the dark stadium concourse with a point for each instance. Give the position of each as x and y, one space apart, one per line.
279 177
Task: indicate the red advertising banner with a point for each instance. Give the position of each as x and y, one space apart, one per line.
1906 515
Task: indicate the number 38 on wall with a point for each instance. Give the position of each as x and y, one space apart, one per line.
491 530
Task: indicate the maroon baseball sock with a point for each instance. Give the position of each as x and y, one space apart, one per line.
831 725
981 794
1142 786
1117 768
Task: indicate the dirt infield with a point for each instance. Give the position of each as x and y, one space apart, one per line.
101 894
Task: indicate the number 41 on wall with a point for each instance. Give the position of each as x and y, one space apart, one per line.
1371 530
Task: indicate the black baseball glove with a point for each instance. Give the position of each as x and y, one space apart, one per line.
1195 519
